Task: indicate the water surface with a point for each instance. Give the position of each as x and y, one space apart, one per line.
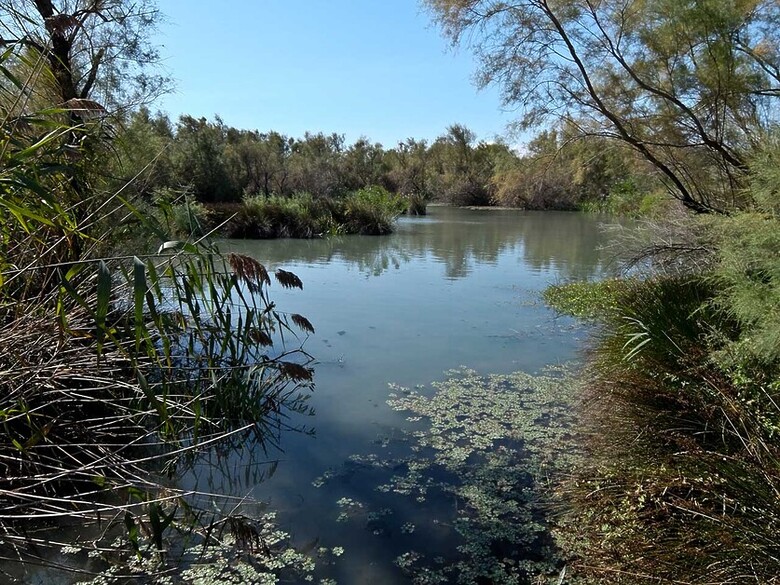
458 287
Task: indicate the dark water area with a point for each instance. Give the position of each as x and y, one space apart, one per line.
454 288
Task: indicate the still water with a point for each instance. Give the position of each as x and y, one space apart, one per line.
455 288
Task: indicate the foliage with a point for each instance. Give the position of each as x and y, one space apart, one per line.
416 204
98 54
748 273
189 218
369 211
117 372
687 85
220 164
680 451
298 216
562 169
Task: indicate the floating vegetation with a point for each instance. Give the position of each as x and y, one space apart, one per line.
486 447
236 551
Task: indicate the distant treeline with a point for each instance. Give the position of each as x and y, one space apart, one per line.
216 163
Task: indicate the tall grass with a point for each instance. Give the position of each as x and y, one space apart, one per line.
682 479
117 370
416 204
369 211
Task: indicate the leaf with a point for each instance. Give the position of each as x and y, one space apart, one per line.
139 293
177 245
132 532
11 77
636 341
22 214
103 302
157 527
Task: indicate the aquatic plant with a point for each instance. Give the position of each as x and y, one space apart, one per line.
416 204
370 211
118 369
490 445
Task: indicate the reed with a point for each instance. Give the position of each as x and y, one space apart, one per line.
416 204
119 371
681 479
368 212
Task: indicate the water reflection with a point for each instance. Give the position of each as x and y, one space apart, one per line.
458 239
457 287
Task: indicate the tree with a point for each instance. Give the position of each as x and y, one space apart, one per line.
98 51
462 170
257 162
408 168
363 165
314 164
688 84
144 154
199 158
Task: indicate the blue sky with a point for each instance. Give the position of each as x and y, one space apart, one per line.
375 68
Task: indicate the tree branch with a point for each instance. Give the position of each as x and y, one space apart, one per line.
684 194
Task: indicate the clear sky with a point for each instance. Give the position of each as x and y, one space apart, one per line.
375 68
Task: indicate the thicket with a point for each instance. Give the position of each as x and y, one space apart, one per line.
219 165
124 353
369 211
680 411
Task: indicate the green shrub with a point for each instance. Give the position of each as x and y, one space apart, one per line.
371 211
189 219
683 463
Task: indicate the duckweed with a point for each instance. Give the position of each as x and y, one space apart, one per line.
489 444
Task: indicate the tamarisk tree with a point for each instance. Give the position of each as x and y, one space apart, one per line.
97 51
689 84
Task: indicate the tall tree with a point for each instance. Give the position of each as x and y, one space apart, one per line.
96 50
688 84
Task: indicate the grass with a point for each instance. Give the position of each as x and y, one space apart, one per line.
416 204
369 211
681 479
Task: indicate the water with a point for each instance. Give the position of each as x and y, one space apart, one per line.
457 287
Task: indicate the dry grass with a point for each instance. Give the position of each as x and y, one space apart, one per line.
681 482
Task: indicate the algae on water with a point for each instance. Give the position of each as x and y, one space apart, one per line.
488 444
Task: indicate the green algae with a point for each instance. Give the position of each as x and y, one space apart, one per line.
489 445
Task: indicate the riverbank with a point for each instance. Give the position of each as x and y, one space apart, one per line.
679 415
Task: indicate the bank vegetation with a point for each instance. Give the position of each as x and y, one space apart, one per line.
679 413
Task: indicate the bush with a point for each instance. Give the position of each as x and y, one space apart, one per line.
416 204
370 211
189 219
683 461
